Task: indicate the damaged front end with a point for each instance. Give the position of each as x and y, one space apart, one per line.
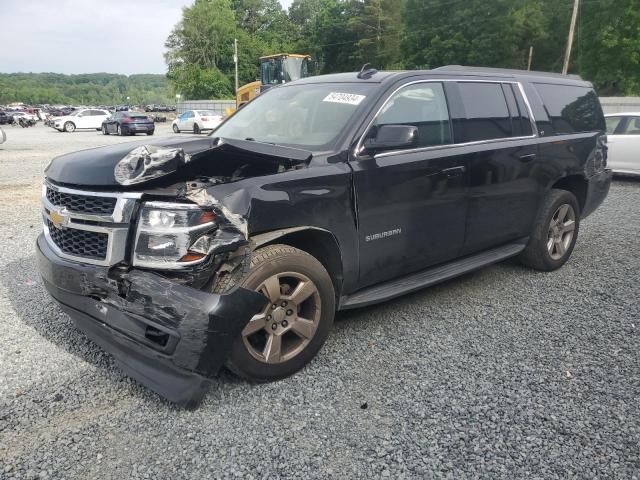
134 270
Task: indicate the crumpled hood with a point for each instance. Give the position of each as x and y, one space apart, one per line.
95 166
192 158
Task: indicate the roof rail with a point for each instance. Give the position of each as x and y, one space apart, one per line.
503 71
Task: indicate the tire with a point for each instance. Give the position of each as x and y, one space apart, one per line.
119 131
69 127
151 132
104 130
196 128
554 233
175 128
296 269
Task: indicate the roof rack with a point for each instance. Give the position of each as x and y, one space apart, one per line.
503 71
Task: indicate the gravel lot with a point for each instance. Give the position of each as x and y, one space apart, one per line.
504 373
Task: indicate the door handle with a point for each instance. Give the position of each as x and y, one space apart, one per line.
454 171
527 157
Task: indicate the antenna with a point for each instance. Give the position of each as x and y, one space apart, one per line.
367 72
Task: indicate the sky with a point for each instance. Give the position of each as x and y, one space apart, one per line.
87 36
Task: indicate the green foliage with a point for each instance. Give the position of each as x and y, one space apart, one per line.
342 35
85 89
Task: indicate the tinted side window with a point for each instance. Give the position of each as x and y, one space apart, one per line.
571 108
487 114
424 106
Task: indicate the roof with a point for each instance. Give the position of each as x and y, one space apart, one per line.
457 70
276 55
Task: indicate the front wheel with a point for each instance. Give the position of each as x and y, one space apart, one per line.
150 133
69 127
294 325
196 128
175 128
104 130
554 233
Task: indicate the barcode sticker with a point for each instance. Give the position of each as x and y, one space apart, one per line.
349 98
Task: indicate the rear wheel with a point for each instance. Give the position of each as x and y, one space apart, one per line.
119 131
555 232
69 127
175 128
283 338
196 128
104 130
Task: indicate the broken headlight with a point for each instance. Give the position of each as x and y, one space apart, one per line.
172 235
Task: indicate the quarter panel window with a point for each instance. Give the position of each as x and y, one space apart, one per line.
572 109
487 115
421 105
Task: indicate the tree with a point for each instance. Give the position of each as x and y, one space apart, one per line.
200 49
608 46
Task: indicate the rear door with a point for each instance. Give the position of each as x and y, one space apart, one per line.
624 143
411 202
502 159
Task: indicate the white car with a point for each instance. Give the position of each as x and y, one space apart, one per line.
196 121
80 119
623 138
25 115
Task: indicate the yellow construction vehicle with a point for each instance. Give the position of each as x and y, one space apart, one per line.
274 70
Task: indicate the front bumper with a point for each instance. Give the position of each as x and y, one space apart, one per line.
597 190
169 337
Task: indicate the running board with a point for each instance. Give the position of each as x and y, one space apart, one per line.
416 281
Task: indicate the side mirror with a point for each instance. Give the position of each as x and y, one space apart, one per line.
392 137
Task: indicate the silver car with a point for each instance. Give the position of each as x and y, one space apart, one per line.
623 136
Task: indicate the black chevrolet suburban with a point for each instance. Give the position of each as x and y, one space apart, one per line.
181 256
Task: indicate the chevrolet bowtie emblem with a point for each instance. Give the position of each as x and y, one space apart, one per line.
57 218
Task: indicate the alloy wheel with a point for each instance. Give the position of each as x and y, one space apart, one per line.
288 323
561 231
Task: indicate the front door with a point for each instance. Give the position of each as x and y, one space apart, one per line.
411 202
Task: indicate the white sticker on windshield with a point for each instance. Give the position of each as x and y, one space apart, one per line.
349 98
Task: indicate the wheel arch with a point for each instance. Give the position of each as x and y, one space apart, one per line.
576 184
318 242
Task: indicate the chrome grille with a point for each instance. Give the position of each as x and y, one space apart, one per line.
80 243
81 203
87 227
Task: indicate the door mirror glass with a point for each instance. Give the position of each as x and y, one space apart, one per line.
392 137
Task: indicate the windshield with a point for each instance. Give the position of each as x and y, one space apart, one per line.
274 71
307 116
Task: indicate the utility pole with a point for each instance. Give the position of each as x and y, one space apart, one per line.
572 28
235 60
530 57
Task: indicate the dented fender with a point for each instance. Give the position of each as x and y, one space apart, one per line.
169 337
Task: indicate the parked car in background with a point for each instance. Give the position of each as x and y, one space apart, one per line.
88 118
5 118
196 121
128 123
25 115
623 138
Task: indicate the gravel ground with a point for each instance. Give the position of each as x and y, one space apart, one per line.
504 373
